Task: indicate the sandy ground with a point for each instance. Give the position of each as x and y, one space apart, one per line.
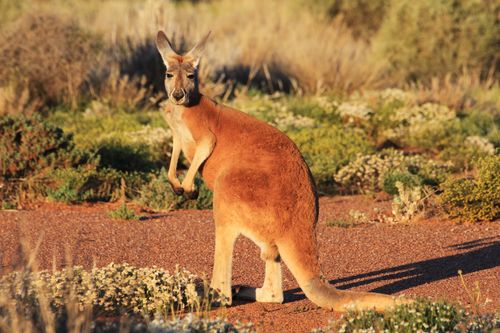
417 259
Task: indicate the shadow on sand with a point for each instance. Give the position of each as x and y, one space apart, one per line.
483 254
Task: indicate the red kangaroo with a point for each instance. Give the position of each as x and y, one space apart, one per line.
262 187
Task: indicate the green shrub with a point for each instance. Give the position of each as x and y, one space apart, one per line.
86 183
367 172
481 323
475 199
420 316
30 145
124 213
158 194
125 157
465 151
438 37
124 141
426 126
284 113
327 149
374 112
322 109
50 53
113 289
73 189
408 202
391 117
479 123
408 180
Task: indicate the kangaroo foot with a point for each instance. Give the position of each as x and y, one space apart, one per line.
257 294
268 296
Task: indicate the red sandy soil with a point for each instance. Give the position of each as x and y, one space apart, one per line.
421 258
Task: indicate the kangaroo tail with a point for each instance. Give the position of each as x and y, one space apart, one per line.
299 254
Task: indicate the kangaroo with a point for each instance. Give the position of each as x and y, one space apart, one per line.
262 187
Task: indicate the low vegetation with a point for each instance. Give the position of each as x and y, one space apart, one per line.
124 213
381 171
422 316
149 300
477 198
158 194
153 300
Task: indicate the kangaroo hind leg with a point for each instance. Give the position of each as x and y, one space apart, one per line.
272 290
224 243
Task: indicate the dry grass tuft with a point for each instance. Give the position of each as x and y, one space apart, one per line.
48 54
459 92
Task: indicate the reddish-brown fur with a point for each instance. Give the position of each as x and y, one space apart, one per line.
262 189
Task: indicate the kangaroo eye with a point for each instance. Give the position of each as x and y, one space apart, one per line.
170 75
190 76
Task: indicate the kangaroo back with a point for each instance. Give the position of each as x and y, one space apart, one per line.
252 151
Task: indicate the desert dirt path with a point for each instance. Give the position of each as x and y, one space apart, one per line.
418 259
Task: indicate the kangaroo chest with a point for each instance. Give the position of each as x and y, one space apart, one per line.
174 119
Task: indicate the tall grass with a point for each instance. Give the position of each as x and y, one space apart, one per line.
273 45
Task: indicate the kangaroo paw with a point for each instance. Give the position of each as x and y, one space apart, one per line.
178 190
192 195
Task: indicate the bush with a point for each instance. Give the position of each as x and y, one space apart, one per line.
158 194
110 290
368 172
438 37
87 183
463 152
481 323
407 179
407 203
50 53
420 316
374 112
124 213
424 126
125 157
124 141
279 111
327 149
320 109
29 145
392 118
475 199
480 123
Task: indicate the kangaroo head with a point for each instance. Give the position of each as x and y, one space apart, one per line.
181 79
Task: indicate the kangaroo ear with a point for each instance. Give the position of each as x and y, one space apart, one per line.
197 51
164 46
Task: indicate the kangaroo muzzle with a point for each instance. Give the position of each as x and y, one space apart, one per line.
178 96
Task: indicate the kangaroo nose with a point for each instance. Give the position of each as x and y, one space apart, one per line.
178 94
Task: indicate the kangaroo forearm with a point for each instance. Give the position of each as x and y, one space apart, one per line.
203 151
174 159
